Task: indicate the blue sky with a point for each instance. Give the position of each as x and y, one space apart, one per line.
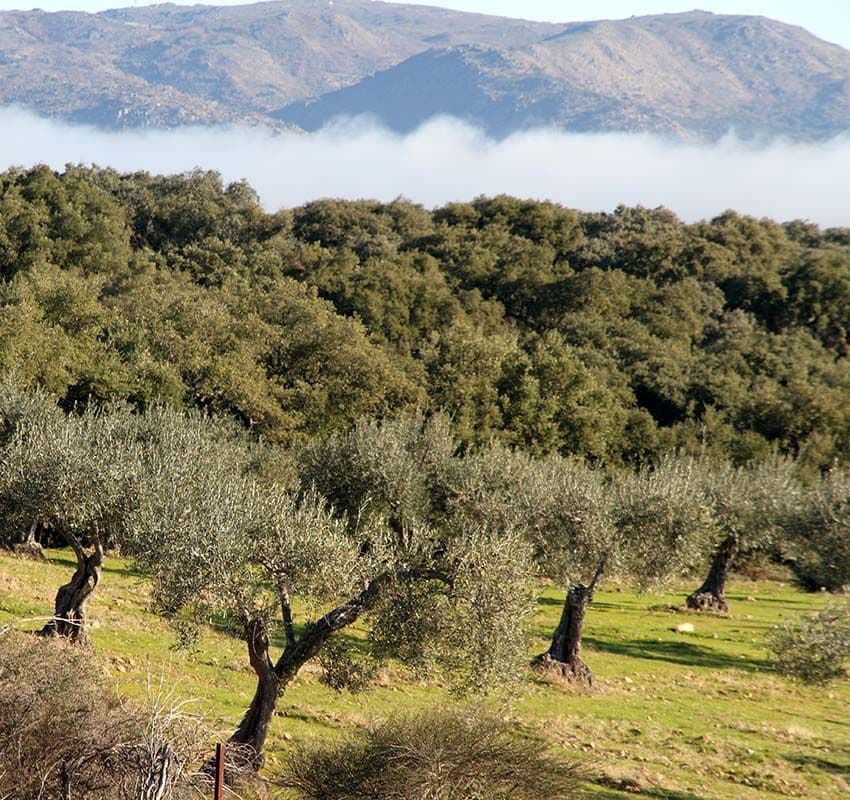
829 19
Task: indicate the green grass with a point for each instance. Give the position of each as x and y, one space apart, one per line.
673 716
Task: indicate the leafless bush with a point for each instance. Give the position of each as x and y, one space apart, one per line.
437 755
65 734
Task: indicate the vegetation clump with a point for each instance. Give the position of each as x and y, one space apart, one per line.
614 337
814 648
819 534
65 733
434 755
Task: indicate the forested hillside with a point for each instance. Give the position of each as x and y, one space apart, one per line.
616 337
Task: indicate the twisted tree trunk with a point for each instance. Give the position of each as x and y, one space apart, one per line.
29 546
711 596
248 740
564 654
69 615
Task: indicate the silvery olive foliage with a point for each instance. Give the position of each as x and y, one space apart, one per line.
468 622
663 522
750 503
75 473
814 648
584 524
819 533
397 468
20 406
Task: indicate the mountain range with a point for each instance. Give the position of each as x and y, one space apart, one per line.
302 63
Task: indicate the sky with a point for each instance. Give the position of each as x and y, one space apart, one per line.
829 19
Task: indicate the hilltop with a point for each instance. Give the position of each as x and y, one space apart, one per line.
303 62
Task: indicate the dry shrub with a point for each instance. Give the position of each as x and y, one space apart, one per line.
64 733
435 755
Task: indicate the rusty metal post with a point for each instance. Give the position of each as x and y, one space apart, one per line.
219 772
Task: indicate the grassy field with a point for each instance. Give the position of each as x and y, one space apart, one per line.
679 716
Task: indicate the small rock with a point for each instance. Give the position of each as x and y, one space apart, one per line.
684 627
287 737
751 599
628 680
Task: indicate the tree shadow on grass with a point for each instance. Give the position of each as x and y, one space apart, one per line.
614 792
675 652
818 763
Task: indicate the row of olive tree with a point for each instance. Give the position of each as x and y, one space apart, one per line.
198 507
433 548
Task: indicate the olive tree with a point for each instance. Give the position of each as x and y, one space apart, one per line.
818 527
221 544
749 505
585 526
20 408
76 476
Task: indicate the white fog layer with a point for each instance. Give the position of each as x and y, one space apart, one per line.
445 160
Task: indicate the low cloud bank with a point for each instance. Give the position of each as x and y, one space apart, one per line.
445 160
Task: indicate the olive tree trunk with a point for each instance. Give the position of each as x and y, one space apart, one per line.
69 615
711 596
564 654
248 741
249 738
29 546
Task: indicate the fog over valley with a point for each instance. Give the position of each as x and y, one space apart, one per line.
446 160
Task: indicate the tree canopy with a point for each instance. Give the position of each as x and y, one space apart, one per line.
616 337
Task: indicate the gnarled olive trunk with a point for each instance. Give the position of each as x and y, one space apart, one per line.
711 595
248 740
69 615
250 737
29 546
564 654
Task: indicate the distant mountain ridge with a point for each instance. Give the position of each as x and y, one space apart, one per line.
304 62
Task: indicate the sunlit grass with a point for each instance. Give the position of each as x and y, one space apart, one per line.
678 716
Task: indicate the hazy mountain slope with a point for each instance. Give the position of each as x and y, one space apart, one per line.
692 74
166 64
306 61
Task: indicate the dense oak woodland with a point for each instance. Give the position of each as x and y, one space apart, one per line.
615 337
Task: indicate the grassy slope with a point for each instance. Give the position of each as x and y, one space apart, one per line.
678 716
